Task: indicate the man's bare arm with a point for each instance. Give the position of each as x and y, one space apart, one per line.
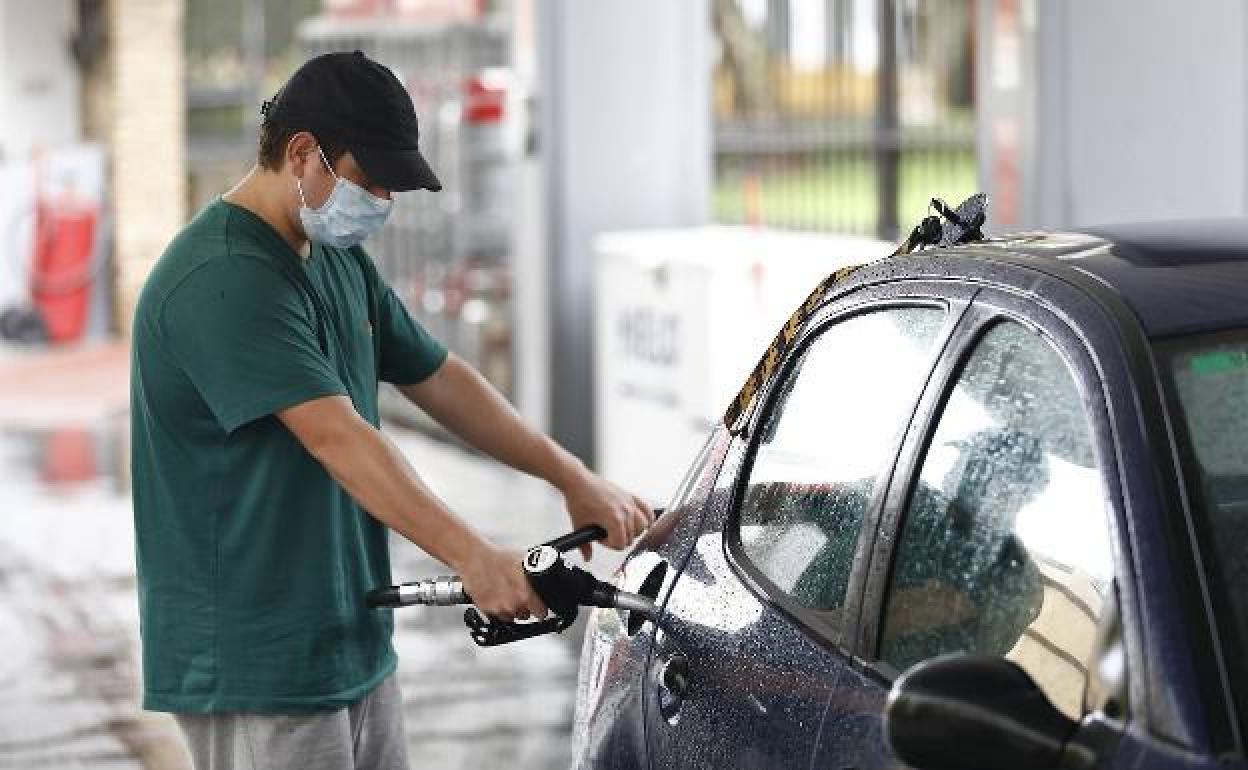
375 473
458 397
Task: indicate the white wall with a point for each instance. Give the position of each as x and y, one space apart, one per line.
39 85
1130 109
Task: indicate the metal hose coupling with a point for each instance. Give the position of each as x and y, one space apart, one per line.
443 591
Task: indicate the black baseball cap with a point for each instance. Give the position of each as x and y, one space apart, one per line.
349 99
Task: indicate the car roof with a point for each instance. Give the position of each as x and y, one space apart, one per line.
1179 277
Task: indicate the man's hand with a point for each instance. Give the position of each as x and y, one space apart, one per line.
591 499
494 578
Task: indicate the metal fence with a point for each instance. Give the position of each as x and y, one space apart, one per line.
237 53
842 115
446 254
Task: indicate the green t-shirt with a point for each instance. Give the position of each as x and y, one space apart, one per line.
253 562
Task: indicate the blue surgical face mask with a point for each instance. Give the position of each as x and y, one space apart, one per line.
350 215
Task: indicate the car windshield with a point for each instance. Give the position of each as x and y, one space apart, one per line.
1207 378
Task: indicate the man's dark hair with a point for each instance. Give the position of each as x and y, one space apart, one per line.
275 136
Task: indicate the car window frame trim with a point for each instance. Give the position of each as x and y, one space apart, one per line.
1147 395
1199 531
955 298
991 307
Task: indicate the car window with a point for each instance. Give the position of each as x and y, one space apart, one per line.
1206 377
829 434
1004 547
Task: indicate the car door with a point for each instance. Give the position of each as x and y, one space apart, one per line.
751 642
999 532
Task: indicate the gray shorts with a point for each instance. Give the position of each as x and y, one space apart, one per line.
367 735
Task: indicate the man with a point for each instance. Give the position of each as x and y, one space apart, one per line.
262 486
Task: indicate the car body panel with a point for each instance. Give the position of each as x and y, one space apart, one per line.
754 664
769 690
608 729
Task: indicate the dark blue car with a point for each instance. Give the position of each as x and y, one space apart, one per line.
989 511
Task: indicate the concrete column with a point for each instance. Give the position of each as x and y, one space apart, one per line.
626 143
530 259
147 137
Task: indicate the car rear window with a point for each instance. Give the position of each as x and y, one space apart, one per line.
1207 379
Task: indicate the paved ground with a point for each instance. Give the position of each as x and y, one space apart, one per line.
68 621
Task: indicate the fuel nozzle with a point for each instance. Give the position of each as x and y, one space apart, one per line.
563 587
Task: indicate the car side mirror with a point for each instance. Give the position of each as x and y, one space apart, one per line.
973 712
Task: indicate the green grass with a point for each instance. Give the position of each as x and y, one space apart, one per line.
839 194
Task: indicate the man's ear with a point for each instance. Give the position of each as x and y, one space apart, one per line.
301 147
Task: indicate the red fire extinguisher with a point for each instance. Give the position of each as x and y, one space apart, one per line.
62 272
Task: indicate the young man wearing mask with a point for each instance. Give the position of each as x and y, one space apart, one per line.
263 488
